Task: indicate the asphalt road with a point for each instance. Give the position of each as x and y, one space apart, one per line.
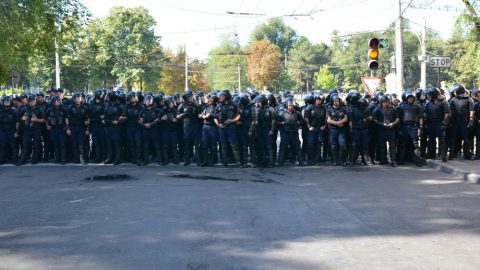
66 217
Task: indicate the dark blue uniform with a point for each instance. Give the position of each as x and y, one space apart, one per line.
55 117
32 134
8 127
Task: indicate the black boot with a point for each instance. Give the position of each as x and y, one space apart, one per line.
2 153
63 153
37 148
175 154
334 155
81 154
213 154
188 153
165 154
281 156
392 148
236 155
56 148
118 154
109 156
442 145
158 150
75 153
224 155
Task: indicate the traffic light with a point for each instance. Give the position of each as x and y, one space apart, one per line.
373 53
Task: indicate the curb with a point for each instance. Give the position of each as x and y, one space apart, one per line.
443 167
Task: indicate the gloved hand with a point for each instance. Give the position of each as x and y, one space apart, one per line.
421 132
471 123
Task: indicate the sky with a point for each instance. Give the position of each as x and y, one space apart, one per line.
199 25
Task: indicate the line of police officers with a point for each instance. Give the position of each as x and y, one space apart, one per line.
115 127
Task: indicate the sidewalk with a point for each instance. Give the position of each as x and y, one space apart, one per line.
469 170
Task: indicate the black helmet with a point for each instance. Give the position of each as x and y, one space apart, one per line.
226 94
262 99
244 100
187 95
458 89
309 99
409 94
7 101
319 97
384 98
148 100
98 94
78 97
272 101
32 100
112 96
56 101
354 97
169 102
290 102
433 93
362 103
420 94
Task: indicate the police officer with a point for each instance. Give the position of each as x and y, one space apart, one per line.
9 130
386 118
95 111
263 126
149 119
462 119
291 120
31 120
188 112
226 116
246 142
436 116
169 131
411 123
134 129
112 118
77 127
359 118
209 132
56 124
46 145
315 115
337 118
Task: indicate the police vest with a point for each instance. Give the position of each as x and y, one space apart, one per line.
77 115
56 117
8 119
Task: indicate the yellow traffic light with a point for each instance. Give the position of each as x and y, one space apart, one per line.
373 53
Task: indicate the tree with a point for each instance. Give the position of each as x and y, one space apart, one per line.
222 67
304 59
264 64
324 79
277 32
28 29
129 42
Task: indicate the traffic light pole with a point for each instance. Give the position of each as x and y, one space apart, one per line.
399 48
423 64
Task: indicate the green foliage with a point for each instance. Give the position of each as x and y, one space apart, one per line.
324 79
304 59
277 32
222 67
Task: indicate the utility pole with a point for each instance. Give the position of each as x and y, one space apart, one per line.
399 47
57 65
186 68
423 65
239 79
286 56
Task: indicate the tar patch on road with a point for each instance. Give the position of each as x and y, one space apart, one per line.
216 178
109 177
